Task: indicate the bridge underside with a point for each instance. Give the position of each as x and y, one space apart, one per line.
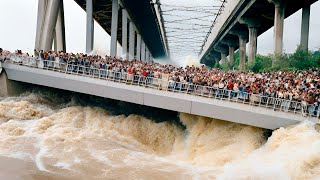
143 15
260 10
213 108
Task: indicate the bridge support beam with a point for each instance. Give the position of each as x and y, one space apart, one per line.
42 9
124 34
223 51
231 56
11 88
114 28
243 36
242 53
60 37
143 51
49 24
90 26
217 60
231 43
278 26
224 58
305 23
147 55
138 46
253 37
131 41
253 25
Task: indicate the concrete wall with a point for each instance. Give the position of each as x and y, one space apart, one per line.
224 110
11 88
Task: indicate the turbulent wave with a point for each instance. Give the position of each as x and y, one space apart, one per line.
65 139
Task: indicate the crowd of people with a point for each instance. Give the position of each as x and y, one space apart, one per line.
301 86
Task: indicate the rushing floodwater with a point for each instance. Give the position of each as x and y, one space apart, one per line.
44 139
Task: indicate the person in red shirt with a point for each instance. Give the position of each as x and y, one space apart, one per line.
144 73
230 85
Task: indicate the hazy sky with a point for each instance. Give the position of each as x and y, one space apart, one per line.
18 25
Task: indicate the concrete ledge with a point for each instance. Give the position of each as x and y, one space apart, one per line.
208 107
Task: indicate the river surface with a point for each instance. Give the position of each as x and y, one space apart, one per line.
43 138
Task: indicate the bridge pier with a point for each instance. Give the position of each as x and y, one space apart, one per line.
305 23
42 9
278 26
138 46
253 36
50 22
217 60
224 58
143 51
223 51
242 53
231 43
253 26
90 26
9 87
231 56
243 36
124 34
114 28
147 55
60 37
131 40
50 29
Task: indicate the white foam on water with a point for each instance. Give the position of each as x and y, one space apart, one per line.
90 140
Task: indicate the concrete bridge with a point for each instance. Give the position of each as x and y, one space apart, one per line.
243 21
136 25
268 113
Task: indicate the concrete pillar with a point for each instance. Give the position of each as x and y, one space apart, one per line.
124 34
60 38
253 26
253 36
305 23
55 47
49 24
147 55
231 55
217 60
114 28
131 41
12 88
242 53
143 51
138 46
42 9
223 58
223 50
90 26
243 36
278 26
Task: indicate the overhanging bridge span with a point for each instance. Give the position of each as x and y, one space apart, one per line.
264 112
136 25
242 21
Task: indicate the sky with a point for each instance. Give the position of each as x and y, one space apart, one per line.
18 25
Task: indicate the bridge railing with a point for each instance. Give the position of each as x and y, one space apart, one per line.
276 104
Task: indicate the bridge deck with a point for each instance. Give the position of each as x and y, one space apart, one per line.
197 105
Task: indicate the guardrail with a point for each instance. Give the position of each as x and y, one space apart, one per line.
277 104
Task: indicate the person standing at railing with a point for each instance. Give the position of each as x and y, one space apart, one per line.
56 60
1 56
35 53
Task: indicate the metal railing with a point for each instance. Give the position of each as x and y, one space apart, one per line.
277 104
